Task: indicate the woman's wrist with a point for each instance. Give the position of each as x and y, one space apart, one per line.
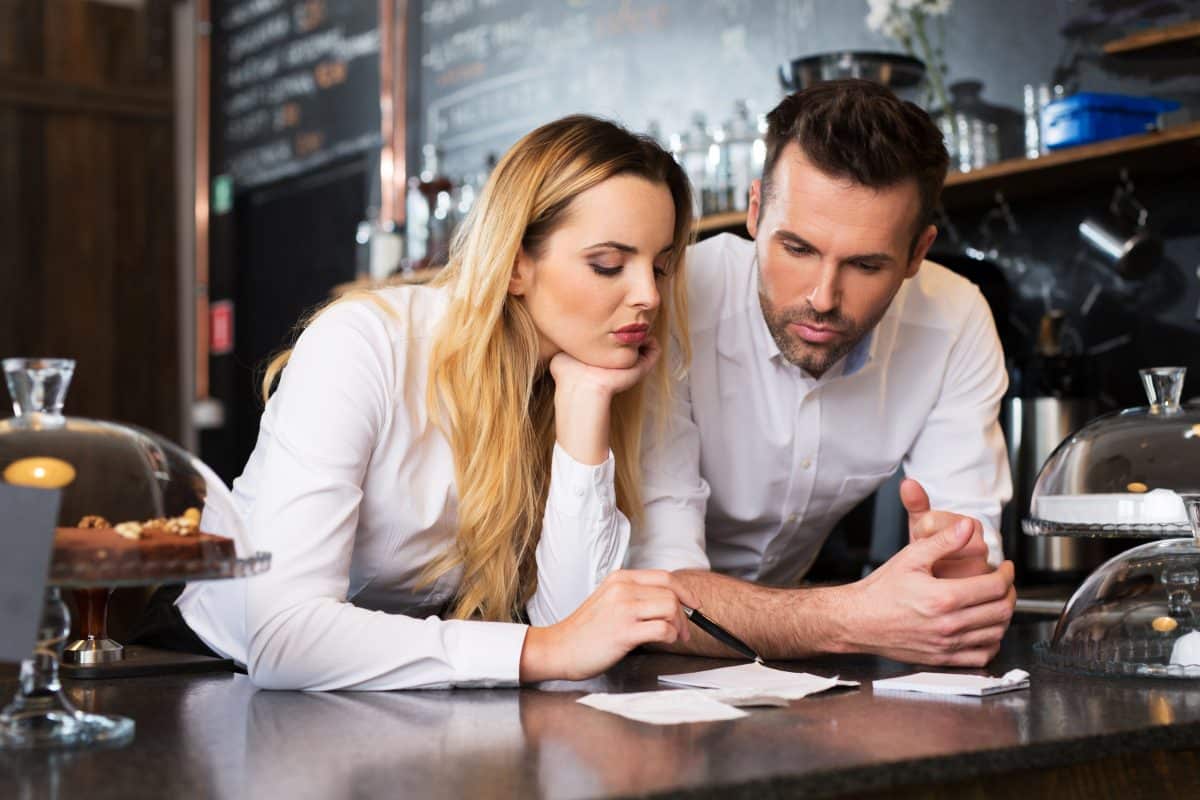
581 422
537 656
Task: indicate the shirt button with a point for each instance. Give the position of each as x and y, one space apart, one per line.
806 463
792 518
579 490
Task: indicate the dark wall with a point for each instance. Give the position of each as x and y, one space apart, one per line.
87 214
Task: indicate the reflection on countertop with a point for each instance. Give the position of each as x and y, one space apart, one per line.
217 736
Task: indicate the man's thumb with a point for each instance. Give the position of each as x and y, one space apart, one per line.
913 496
946 542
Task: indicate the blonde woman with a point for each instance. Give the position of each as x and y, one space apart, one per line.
437 462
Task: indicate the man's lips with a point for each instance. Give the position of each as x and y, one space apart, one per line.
814 334
632 334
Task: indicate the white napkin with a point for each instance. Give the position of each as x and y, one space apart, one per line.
664 708
757 678
950 683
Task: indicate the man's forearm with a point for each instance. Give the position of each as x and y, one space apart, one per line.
777 623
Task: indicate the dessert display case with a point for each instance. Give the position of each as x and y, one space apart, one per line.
135 510
1131 473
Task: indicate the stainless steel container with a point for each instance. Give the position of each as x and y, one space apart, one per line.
1034 427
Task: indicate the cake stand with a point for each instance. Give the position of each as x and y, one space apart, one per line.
1132 473
40 714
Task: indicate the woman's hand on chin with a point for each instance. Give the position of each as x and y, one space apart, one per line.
570 372
583 398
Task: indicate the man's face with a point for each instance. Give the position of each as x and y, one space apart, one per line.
831 256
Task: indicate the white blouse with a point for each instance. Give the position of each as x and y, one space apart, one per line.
351 489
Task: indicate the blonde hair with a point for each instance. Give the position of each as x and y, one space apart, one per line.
487 390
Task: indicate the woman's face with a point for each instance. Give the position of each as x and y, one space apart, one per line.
595 290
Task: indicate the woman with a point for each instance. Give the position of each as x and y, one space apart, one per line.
470 449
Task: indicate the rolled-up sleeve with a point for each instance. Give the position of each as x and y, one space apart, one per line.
334 400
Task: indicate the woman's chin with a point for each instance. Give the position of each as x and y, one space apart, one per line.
617 358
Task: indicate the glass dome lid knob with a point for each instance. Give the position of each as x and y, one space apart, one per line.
38 386
1164 388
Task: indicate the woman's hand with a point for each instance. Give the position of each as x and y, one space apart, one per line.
583 396
630 608
572 374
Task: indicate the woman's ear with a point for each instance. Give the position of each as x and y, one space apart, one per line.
522 275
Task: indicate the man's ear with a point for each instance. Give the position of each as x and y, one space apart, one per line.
924 242
522 275
752 208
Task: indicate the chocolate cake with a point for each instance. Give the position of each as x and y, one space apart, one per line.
135 549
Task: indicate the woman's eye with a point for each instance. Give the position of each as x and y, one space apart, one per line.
660 272
607 272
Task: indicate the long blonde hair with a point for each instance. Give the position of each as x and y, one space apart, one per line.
487 390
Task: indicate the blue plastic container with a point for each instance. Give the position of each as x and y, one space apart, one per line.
1093 117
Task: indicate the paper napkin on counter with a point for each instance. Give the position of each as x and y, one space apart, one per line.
756 677
664 708
949 683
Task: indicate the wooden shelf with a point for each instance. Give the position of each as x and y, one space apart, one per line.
1179 40
728 220
1173 150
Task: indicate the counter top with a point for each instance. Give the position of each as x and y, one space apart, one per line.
217 736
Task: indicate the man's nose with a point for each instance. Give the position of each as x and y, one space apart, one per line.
825 296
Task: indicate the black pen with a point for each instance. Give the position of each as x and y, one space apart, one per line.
720 634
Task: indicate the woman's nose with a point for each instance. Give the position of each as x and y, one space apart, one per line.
644 291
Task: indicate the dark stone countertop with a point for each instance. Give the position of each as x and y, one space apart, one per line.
216 736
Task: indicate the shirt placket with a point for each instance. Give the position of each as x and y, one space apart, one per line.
806 426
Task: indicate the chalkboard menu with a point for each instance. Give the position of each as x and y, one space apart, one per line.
295 85
491 70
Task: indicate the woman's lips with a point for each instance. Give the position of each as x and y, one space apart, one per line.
632 334
814 335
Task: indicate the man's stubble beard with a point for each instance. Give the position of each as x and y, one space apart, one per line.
813 359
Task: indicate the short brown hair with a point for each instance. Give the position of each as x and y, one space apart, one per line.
860 130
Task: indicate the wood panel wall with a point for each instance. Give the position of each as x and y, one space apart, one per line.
87 214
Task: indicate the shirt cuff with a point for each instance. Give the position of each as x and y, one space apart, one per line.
485 654
575 487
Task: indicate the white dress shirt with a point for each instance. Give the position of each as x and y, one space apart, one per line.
351 488
762 460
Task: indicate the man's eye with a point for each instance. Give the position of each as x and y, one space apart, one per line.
797 250
870 269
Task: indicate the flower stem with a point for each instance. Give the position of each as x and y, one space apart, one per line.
933 62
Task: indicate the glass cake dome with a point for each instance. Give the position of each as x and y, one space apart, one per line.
1131 473
109 474
134 509
1126 473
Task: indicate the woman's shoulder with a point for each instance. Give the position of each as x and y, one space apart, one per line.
395 313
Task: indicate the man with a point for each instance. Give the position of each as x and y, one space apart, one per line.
825 355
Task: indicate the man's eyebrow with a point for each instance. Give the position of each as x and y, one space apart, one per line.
799 240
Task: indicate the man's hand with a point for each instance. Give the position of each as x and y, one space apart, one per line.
924 522
902 611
